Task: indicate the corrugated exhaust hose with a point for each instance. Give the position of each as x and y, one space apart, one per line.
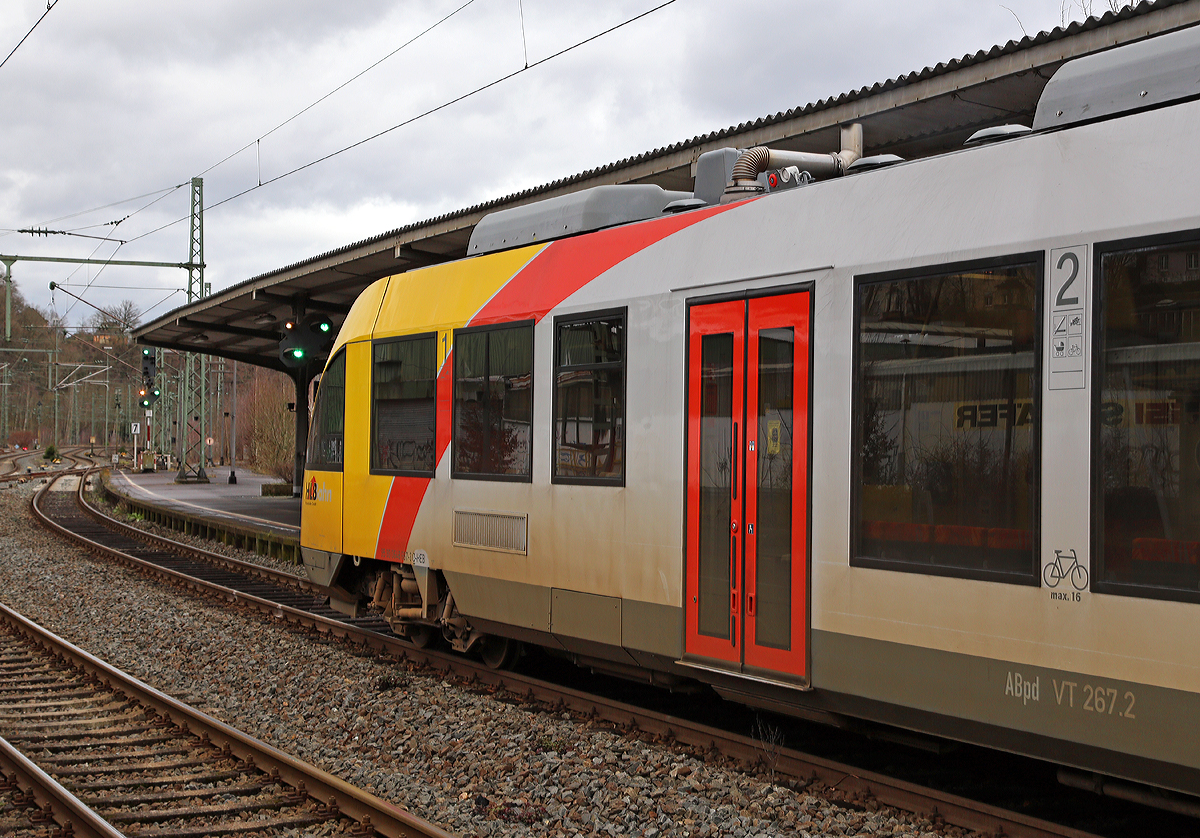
754 161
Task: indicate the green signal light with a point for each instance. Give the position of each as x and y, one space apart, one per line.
297 353
325 327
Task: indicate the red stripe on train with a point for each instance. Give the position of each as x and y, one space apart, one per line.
556 273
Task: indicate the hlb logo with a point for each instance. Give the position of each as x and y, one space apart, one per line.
315 493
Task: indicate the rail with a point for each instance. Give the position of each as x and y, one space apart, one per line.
849 782
54 802
369 811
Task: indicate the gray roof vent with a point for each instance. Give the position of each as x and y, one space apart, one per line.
1151 73
566 215
875 161
683 205
996 133
713 171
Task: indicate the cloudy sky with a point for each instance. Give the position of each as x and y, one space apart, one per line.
110 107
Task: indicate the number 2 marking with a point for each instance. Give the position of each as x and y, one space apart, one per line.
1060 300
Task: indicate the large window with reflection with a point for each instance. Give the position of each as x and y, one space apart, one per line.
493 402
1146 427
326 437
589 398
946 420
404 406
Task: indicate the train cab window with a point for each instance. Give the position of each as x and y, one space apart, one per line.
493 402
404 406
1146 420
946 421
589 399
327 434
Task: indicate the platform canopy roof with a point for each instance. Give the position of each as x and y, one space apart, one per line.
916 115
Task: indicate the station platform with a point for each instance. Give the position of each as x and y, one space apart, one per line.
241 503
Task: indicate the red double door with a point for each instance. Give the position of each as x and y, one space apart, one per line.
748 485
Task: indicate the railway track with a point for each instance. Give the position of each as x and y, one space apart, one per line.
109 755
12 471
290 598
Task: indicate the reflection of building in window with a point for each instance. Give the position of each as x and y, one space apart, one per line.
325 439
1147 423
493 401
589 398
404 417
947 418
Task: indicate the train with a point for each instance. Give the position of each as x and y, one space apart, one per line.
908 443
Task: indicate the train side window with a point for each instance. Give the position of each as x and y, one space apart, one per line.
404 406
589 398
326 444
493 402
946 420
1146 419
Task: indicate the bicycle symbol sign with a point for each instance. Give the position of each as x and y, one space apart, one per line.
1055 572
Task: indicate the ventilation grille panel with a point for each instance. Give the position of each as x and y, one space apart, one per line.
502 531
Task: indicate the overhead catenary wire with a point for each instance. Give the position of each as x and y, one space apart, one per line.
123 287
161 193
173 292
257 143
449 103
524 45
88 284
49 5
34 231
122 242
420 116
344 84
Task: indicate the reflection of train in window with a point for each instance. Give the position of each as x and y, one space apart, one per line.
870 447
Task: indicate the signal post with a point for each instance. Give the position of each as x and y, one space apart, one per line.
148 394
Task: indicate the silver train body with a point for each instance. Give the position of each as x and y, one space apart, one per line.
959 397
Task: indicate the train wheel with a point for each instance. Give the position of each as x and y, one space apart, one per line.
498 652
421 636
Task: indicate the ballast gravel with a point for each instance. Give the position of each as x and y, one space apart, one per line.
473 762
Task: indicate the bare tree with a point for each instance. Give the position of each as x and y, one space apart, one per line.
119 319
1086 7
268 429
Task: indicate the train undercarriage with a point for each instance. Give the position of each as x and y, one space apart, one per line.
419 606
